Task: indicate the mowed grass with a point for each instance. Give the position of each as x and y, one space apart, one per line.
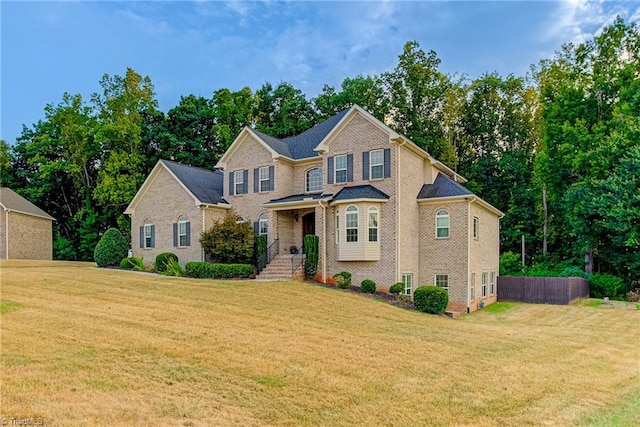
88 347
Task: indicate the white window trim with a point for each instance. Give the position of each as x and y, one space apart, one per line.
492 283
407 280
373 210
337 226
448 227
372 164
147 233
472 290
350 211
263 178
182 221
238 180
476 227
435 281
484 284
263 225
317 180
336 169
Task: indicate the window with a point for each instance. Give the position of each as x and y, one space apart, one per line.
314 180
472 289
238 178
442 223
337 226
351 224
182 232
492 283
484 284
373 224
376 164
341 169
148 234
475 227
407 280
263 227
264 179
442 281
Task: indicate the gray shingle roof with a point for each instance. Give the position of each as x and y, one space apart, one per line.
443 186
301 146
298 198
360 192
12 201
206 185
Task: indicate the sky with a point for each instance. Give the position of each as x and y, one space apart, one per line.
198 47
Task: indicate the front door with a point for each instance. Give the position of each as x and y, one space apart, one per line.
309 224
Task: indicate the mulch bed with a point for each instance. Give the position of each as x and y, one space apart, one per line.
382 296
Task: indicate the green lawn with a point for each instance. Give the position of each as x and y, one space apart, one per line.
88 347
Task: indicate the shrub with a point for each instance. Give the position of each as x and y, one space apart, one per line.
207 270
574 272
430 299
510 264
173 268
634 295
311 255
163 260
110 249
132 264
397 289
368 286
229 241
606 285
343 279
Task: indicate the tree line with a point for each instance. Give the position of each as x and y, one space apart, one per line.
557 150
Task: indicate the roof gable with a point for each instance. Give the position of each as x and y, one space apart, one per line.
13 202
205 186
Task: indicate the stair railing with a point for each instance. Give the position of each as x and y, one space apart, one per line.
297 259
268 255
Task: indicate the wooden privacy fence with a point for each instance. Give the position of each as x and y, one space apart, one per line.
542 290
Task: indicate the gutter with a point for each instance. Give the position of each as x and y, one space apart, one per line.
399 143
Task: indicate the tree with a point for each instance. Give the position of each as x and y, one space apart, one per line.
232 111
282 111
6 168
229 241
367 92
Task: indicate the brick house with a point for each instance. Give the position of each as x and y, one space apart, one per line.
26 231
383 208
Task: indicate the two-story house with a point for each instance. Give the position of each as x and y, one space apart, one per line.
383 208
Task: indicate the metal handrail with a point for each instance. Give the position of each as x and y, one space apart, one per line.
297 259
268 255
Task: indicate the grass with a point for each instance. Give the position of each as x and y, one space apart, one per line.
83 347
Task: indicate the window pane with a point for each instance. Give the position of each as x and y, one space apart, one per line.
376 159
352 234
314 180
341 168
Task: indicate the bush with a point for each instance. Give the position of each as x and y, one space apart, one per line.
207 270
368 286
606 285
311 242
510 264
574 272
173 268
430 299
110 249
230 241
132 264
163 260
343 279
397 289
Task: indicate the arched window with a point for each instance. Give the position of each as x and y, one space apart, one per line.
182 232
351 224
314 180
263 228
148 234
373 224
442 223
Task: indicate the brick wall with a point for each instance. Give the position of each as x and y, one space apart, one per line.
30 237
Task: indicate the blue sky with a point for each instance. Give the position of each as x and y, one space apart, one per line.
185 47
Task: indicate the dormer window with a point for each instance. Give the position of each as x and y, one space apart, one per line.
314 180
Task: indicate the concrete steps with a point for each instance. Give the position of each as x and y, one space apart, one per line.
280 268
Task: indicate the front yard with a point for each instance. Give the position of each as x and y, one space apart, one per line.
85 346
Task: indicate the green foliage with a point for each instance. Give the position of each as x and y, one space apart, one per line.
397 288
343 279
282 111
574 272
510 264
606 285
173 268
367 92
63 248
229 241
163 260
430 299
110 249
368 286
132 263
206 270
311 244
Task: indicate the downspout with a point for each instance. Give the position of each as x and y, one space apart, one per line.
399 143
469 234
324 241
